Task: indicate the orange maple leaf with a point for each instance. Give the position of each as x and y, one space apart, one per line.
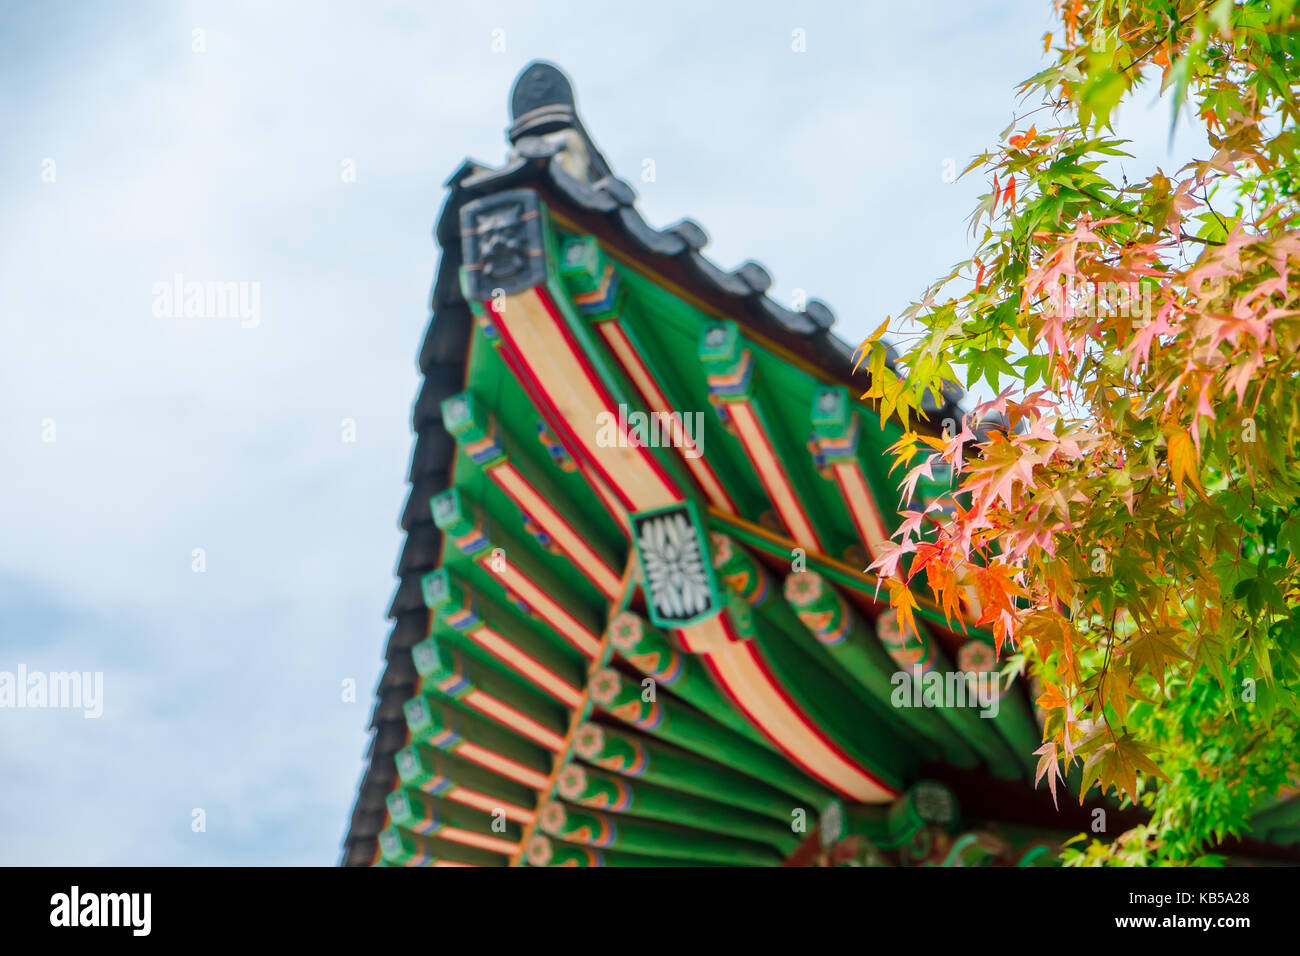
1024 139
1183 459
901 600
947 592
1071 17
1050 698
996 590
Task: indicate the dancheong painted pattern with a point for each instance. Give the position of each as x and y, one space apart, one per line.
632 626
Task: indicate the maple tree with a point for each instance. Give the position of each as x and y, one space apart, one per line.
1124 515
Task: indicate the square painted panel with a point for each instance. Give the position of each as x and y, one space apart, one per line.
676 569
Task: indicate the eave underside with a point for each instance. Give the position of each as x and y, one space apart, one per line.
522 723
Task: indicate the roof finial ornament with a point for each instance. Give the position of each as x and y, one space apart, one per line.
546 122
540 84
542 101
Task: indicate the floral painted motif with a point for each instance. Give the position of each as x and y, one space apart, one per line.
539 852
625 632
572 782
552 817
977 657
589 742
605 685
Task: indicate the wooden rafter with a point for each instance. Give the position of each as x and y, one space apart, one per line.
480 537
550 350
730 365
496 630
597 293
486 441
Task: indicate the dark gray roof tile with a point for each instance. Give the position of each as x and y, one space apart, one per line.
448 336
432 453
618 190
422 549
408 596
409 628
388 706
579 192
691 232
723 281
441 381
820 314
754 276
416 511
661 243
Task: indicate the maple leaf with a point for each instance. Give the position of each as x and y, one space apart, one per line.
1009 194
1238 379
1002 467
1183 460
1203 410
903 603
1051 699
1152 648
890 555
1115 763
995 406
908 486
910 525
996 591
1131 418
903 450
927 552
954 452
1049 630
1024 139
947 592
1139 348
1049 763
1070 14
1115 687
865 347
1031 406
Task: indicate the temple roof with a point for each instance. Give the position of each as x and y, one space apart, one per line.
775 678
551 151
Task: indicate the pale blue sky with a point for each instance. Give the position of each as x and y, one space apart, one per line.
222 689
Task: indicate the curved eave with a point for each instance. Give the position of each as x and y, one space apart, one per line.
442 364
